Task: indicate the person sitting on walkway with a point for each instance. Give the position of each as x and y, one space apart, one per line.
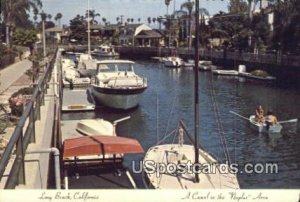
259 114
271 119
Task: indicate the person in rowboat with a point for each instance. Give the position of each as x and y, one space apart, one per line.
271 119
259 114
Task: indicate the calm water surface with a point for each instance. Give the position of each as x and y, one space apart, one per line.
169 98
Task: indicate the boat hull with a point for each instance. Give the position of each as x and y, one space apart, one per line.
118 98
173 154
251 76
262 127
173 62
226 72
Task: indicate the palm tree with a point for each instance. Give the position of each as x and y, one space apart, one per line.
16 11
139 20
159 20
167 2
104 20
92 14
58 17
149 20
117 19
154 20
49 16
189 5
131 20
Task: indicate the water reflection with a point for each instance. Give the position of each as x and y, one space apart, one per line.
171 91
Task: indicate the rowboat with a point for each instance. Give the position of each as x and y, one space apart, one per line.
96 162
262 127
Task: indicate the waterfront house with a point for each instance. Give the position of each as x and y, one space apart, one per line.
129 32
150 38
55 33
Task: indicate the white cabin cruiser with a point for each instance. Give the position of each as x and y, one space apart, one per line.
105 51
173 62
116 85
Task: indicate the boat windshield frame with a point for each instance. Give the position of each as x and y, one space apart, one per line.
114 67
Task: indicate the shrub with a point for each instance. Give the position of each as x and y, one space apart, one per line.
18 100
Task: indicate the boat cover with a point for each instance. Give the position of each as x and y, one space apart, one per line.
97 145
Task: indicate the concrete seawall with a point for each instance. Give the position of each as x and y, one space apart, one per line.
267 59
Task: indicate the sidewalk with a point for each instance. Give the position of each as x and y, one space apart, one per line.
13 72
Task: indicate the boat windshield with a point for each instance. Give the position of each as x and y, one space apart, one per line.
109 67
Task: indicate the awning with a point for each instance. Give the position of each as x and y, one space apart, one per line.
97 145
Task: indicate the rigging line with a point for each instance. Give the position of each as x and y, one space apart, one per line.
171 112
157 119
222 130
219 123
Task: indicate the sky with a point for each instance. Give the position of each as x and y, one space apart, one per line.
111 9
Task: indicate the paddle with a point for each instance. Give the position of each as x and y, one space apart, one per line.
239 115
289 121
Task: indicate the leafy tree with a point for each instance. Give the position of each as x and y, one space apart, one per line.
78 28
237 7
15 13
286 26
25 37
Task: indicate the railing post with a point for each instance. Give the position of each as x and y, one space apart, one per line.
32 121
42 95
20 159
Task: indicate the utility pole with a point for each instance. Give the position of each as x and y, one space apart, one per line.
89 29
44 38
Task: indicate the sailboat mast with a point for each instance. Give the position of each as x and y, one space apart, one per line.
196 90
89 29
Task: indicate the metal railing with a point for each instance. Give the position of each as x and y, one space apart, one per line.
24 133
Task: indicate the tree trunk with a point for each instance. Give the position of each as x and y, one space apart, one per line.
190 31
7 36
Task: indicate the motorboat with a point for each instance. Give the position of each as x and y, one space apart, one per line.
225 72
116 85
96 162
87 65
173 62
257 76
71 75
105 51
262 127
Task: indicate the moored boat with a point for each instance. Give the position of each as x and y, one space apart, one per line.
95 162
116 85
105 51
95 127
225 72
182 157
173 62
257 77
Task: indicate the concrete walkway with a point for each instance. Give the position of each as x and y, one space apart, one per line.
13 72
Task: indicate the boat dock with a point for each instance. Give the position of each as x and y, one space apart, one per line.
77 100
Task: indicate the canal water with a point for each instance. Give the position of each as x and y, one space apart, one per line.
169 98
